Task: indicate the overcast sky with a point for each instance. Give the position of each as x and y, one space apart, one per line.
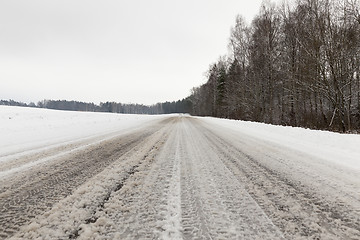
129 51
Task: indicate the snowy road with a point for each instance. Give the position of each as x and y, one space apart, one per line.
180 178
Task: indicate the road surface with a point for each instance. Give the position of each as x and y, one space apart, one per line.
180 178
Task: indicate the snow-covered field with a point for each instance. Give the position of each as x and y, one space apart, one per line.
79 175
23 129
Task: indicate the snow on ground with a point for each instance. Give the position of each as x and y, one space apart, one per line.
23 129
174 177
341 149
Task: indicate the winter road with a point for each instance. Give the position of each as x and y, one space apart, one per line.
179 178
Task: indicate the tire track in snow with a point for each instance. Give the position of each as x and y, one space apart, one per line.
33 192
215 204
147 206
299 209
172 228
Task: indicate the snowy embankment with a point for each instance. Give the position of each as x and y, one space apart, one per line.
24 130
342 149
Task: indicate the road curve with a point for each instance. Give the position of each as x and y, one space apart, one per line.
182 178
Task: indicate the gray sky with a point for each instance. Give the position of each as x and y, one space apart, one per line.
139 51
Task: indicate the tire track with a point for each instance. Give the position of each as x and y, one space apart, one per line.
215 204
31 193
299 210
145 206
183 192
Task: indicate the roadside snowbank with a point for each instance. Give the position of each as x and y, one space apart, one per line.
23 129
342 149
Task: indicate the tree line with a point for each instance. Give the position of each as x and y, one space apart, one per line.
295 65
181 106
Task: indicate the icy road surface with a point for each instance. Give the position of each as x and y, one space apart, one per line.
179 178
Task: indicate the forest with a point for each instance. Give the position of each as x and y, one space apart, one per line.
296 65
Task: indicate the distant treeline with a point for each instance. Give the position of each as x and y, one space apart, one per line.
181 106
295 65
